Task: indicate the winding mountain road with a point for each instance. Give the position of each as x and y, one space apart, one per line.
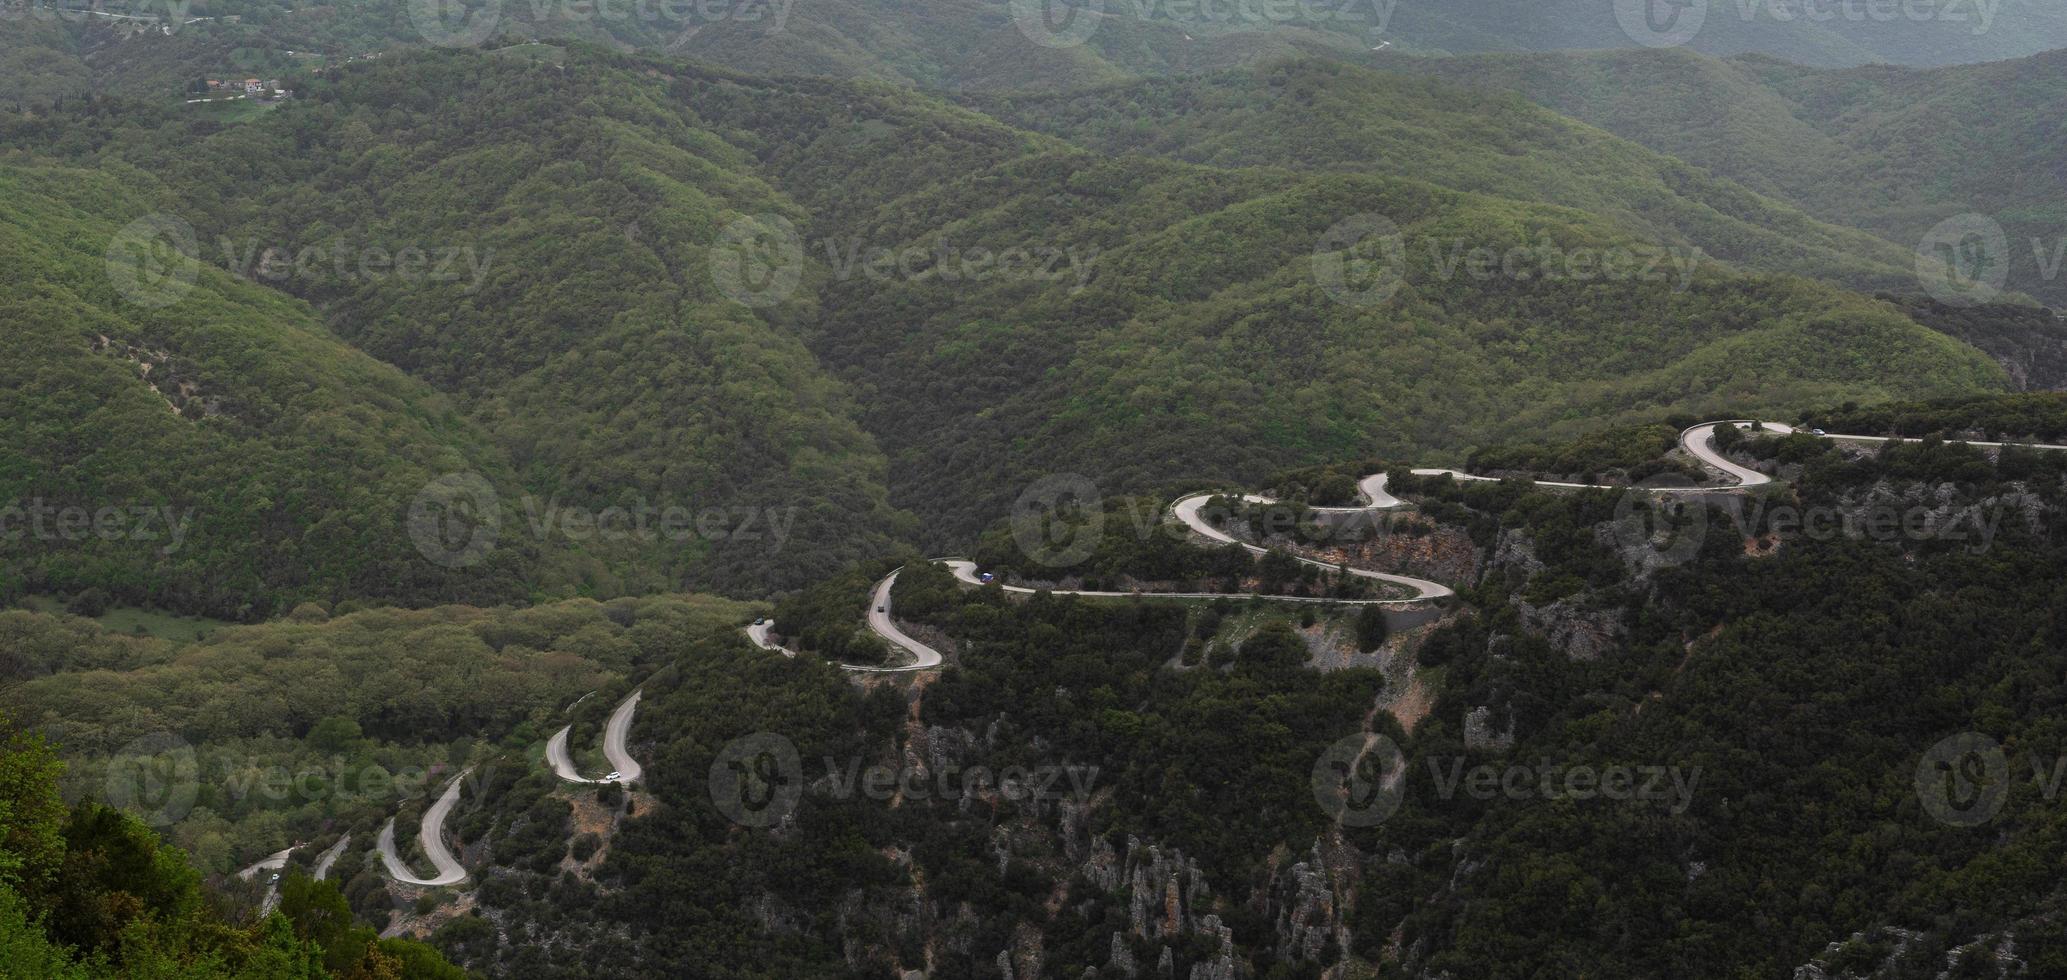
759 634
965 571
924 657
1700 441
1992 445
433 837
271 862
329 857
879 622
1697 440
614 735
1188 511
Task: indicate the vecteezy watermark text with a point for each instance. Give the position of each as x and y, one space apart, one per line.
1672 23
759 261
411 264
1364 259
644 521
1966 260
40 520
159 777
1069 23
155 260
1670 785
1361 780
1964 780
456 520
854 258
758 780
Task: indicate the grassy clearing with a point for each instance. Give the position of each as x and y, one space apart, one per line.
137 621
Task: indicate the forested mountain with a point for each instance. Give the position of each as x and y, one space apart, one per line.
979 44
183 439
140 47
1829 34
1163 311
1895 151
561 291
1747 686
1315 114
402 463
1203 346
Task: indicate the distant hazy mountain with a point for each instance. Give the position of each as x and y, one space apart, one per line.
1896 151
993 45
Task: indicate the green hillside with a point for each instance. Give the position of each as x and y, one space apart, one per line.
1318 115
1746 748
1202 344
561 291
244 456
451 429
1894 151
1177 306
584 207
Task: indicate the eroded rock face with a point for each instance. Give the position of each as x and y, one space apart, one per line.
1307 919
1583 633
1121 960
1515 549
1480 733
1167 898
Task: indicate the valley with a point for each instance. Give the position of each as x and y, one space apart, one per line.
966 489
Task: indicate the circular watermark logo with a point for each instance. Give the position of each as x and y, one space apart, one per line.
1661 23
1360 780
757 780
455 520
1964 780
455 23
153 260
1361 260
1964 261
1662 525
156 778
1059 520
1057 23
758 260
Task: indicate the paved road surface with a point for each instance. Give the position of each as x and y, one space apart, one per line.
965 571
1187 510
614 735
1997 445
926 658
759 634
433 836
1699 441
329 857
271 862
